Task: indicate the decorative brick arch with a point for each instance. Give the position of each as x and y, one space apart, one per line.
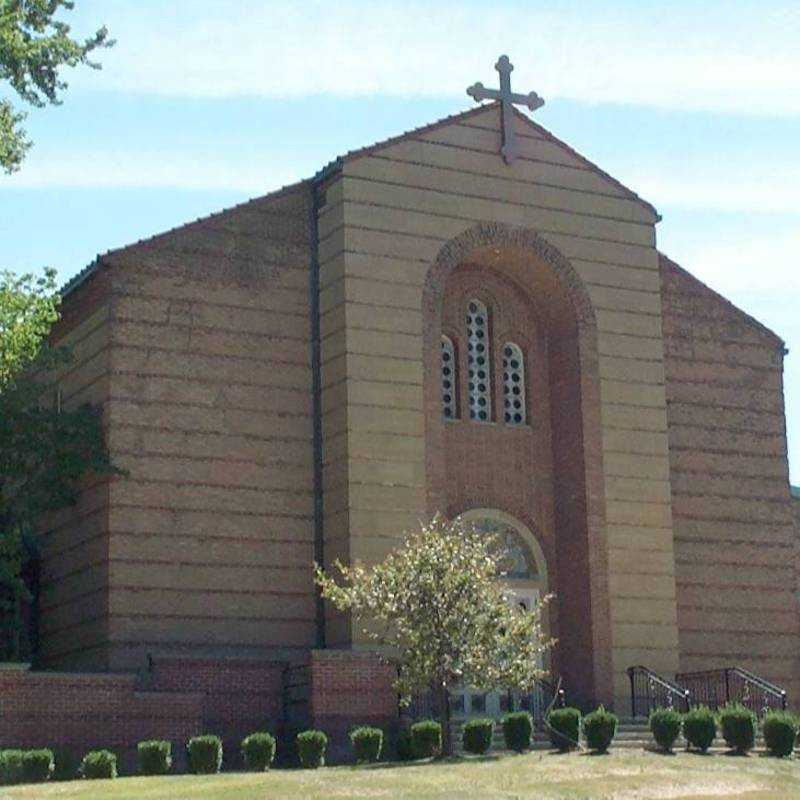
523 258
509 237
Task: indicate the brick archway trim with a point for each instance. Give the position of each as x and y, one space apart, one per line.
498 234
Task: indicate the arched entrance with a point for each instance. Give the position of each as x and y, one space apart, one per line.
512 422
526 581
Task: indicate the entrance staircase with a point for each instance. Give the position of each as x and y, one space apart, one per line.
713 688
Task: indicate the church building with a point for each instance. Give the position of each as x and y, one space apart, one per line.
470 318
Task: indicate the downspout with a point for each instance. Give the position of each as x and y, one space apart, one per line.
316 393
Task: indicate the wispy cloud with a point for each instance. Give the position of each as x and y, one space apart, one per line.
721 55
743 262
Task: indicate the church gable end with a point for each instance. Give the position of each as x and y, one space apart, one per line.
208 545
735 539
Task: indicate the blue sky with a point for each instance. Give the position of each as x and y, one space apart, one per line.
696 107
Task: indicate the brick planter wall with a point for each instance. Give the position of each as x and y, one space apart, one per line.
85 711
349 688
239 696
184 698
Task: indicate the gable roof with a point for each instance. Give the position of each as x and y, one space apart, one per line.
702 288
540 131
333 166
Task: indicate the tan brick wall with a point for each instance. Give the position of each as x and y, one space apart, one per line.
74 582
735 540
209 409
401 205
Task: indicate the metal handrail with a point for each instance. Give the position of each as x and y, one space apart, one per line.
715 687
650 690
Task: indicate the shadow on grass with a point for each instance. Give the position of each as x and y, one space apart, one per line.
429 762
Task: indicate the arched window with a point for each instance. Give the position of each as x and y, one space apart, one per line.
513 385
449 379
480 380
516 562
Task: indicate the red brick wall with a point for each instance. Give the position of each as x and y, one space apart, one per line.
89 711
349 688
239 696
175 699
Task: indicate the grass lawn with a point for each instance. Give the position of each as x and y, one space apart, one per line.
622 775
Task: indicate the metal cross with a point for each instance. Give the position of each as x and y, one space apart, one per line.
508 99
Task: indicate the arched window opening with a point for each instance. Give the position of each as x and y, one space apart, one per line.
513 385
449 379
516 563
480 396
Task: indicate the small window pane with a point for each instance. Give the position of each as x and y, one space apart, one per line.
513 385
480 379
449 379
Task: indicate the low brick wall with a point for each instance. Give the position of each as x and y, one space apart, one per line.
349 688
85 711
239 696
177 698
183 698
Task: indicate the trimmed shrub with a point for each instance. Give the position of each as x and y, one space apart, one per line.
600 727
699 728
37 766
311 748
476 735
367 743
517 730
738 727
204 754
780 732
565 728
155 757
10 767
665 725
258 750
99 764
67 764
402 745
426 738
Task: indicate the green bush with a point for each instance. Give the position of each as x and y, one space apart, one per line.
738 727
37 766
258 750
402 744
155 757
204 754
699 728
600 727
67 763
565 728
426 738
311 748
665 725
10 767
517 730
780 732
99 764
367 743
476 735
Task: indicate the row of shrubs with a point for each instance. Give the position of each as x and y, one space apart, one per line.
203 753
204 756
737 724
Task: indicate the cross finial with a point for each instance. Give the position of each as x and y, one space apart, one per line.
507 99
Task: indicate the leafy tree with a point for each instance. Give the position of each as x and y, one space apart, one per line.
34 45
44 449
439 604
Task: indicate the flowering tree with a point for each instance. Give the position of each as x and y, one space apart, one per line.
438 602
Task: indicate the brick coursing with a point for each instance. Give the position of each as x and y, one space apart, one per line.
735 535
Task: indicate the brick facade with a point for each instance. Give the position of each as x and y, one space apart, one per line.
653 465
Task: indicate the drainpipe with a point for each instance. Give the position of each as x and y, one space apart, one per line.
316 390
